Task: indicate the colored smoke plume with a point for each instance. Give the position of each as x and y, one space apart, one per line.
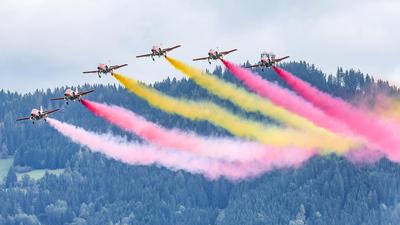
139 154
379 132
254 103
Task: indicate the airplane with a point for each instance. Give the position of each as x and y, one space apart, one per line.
104 69
214 55
71 95
38 114
267 60
158 51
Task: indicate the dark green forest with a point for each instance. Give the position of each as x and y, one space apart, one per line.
96 190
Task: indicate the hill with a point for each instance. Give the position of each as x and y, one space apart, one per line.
96 190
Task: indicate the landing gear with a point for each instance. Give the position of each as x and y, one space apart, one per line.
66 102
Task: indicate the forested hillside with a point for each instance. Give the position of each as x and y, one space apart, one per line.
97 190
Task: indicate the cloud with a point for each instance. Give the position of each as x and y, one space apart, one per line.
48 43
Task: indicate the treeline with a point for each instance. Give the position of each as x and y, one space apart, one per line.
96 190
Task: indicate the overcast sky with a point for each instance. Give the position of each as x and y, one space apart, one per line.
47 43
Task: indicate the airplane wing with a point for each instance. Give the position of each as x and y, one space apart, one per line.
278 60
50 111
252 66
204 58
172 48
24 118
117 66
93 71
86 92
227 52
145 55
52 99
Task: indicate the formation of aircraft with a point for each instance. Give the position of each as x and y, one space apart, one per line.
105 69
214 55
267 60
71 95
38 114
158 51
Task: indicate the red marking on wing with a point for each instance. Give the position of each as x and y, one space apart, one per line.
172 48
227 52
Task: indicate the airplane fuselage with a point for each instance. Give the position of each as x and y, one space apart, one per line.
157 51
214 55
266 62
37 115
72 96
103 69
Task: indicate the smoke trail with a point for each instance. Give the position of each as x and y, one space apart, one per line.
218 116
136 154
219 148
254 103
387 107
364 156
285 98
379 132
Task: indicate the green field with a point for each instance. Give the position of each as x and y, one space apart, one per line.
5 165
37 174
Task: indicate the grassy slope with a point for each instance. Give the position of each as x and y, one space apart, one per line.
37 174
5 165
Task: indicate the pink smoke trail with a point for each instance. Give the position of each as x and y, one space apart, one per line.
379 132
219 148
364 156
285 98
137 154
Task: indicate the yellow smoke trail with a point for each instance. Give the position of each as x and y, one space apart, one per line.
220 117
254 103
388 107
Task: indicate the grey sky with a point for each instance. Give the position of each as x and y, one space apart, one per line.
47 43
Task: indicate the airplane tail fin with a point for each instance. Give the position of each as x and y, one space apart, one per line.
41 109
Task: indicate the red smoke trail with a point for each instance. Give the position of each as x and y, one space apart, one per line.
285 98
137 154
217 148
379 132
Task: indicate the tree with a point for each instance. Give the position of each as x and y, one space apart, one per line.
11 178
300 217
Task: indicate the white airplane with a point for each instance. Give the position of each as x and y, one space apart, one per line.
214 55
158 51
267 60
104 69
71 95
38 114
